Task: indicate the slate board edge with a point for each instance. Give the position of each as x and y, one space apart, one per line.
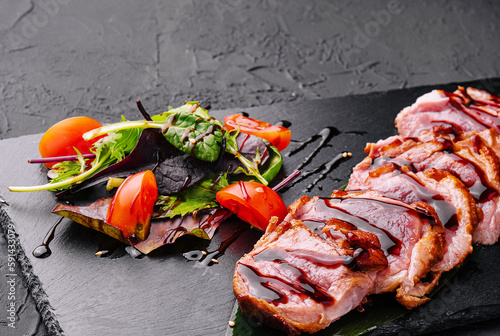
491 84
34 284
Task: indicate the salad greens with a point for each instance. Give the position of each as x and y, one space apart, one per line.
192 155
189 128
197 197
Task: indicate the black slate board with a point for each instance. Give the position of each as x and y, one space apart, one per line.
165 294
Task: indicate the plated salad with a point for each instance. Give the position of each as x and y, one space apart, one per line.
179 172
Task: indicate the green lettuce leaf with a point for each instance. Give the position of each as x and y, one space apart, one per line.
197 197
193 131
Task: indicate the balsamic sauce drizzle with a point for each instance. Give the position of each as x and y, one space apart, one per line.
479 188
325 168
389 243
43 250
208 258
326 134
270 287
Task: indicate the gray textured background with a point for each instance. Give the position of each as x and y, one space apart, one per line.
63 58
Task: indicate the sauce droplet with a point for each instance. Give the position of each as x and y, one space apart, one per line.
210 258
43 250
284 123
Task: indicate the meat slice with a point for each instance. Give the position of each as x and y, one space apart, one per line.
329 253
466 109
484 148
472 157
412 242
455 206
297 281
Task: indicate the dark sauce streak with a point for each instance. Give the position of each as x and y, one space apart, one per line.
323 170
213 214
397 163
192 142
325 134
479 188
327 168
324 260
271 288
389 243
207 258
316 227
446 211
43 250
263 287
473 112
284 123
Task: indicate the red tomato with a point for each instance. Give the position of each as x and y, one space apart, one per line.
132 206
278 136
253 203
60 139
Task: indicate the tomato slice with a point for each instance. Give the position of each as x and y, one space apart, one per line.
132 206
64 136
252 202
278 136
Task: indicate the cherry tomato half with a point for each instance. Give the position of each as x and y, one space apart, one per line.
278 136
132 206
252 202
60 139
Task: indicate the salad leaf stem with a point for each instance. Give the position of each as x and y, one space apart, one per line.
287 180
232 147
63 183
61 158
142 124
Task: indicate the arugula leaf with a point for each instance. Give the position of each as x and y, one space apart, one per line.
197 197
119 143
